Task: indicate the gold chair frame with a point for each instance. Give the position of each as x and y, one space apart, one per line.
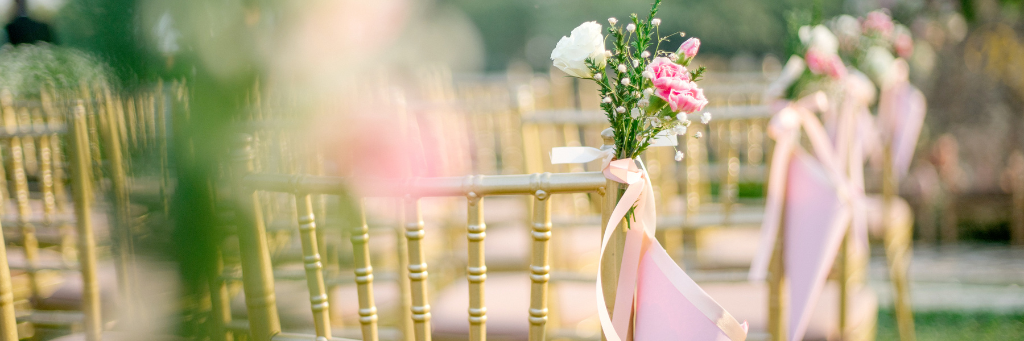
258 279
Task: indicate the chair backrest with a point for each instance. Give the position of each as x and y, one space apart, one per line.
258 279
41 136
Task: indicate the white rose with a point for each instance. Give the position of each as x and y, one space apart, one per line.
876 63
820 38
584 42
847 29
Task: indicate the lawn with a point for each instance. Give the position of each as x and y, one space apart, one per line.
949 325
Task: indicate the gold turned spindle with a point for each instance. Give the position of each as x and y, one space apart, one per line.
121 231
897 242
257 274
82 189
616 243
405 321
21 196
476 269
314 267
417 269
28 142
539 264
364 277
8 323
778 294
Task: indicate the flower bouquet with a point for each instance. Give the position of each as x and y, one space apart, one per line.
646 96
814 65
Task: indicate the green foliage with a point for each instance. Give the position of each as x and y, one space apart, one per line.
956 325
107 29
726 27
26 69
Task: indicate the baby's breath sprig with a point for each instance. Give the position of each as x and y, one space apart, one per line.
635 110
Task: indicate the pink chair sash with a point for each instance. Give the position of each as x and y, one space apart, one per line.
667 304
814 197
901 112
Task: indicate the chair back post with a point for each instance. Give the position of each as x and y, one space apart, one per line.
82 186
8 324
617 242
414 234
257 274
122 240
364 277
540 267
777 289
314 267
897 242
476 269
21 191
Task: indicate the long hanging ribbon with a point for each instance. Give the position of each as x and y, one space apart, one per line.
785 128
639 194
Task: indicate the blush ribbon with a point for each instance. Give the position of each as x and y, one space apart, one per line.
639 196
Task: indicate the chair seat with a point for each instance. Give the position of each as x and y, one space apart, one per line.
120 336
68 295
48 259
507 298
295 310
749 302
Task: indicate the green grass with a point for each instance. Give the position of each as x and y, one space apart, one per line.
949 325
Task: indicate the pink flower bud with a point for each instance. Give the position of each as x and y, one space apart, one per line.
689 48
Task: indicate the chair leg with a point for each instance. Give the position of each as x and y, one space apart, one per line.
897 241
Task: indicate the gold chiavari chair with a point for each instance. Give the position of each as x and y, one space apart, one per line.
844 309
258 279
55 125
82 188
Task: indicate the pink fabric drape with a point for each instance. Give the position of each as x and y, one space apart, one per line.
808 196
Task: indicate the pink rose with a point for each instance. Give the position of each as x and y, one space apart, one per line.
682 95
821 63
665 70
879 22
904 45
689 48
836 68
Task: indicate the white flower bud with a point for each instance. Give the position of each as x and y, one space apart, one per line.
607 99
705 118
679 130
648 75
622 68
631 27
656 22
607 53
635 112
655 121
644 103
698 135
681 117
645 54
620 110
625 81
679 156
673 57
597 76
649 91
636 63
612 21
